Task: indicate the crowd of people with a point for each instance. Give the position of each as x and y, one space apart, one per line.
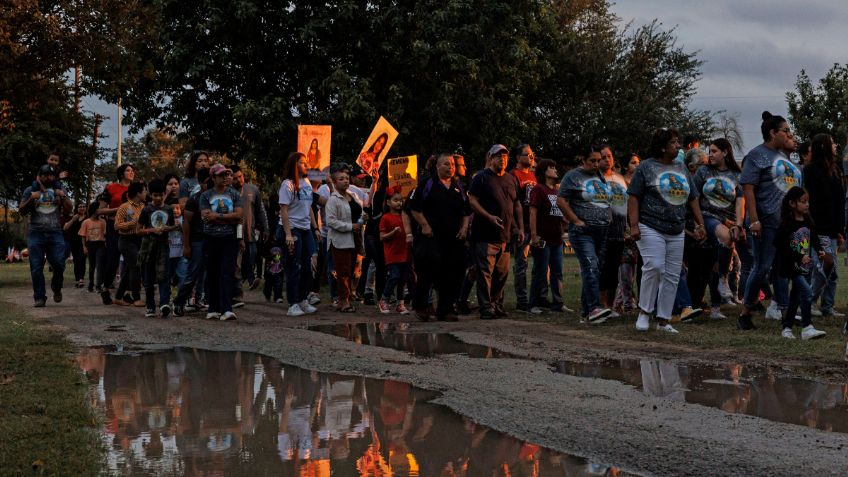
650 236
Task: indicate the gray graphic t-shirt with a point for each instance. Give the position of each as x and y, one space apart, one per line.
46 212
772 174
663 191
220 203
589 196
719 191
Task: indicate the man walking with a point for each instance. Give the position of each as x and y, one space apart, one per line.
45 205
255 220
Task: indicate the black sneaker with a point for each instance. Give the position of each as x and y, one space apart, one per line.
744 323
151 313
179 310
522 307
40 303
106 297
57 296
237 304
91 288
165 310
488 315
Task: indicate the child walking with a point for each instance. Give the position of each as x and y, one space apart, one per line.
93 234
395 250
157 221
274 275
344 222
795 242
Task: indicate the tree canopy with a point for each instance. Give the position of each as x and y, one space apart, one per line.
822 107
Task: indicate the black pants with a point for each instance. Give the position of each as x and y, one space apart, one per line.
79 258
128 246
113 255
609 271
700 262
96 263
373 252
220 254
439 264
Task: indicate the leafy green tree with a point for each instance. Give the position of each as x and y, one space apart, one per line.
822 107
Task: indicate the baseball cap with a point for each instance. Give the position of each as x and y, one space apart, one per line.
47 169
497 149
217 169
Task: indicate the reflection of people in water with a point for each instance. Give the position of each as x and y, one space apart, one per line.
368 159
313 156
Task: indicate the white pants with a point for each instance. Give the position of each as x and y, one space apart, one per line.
662 255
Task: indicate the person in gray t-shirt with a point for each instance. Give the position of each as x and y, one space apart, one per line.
584 199
658 195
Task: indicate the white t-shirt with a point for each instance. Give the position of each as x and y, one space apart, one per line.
299 204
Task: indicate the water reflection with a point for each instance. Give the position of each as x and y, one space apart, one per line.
193 412
396 336
731 388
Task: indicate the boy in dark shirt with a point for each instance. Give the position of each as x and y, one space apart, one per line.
156 220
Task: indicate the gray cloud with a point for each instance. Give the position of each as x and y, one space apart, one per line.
785 15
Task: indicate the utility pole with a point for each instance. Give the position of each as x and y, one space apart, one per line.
97 119
77 74
120 134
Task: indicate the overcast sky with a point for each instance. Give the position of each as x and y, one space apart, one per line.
753 50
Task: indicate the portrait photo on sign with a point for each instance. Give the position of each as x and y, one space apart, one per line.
314 142
376 147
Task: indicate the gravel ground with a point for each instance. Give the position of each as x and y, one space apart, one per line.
605 421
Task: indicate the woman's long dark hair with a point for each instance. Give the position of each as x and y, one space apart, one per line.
191 168
822 152
385 137
793 195
292 172
724 146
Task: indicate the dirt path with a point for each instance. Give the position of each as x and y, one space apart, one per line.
605 421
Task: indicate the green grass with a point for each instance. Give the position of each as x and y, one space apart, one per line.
46 426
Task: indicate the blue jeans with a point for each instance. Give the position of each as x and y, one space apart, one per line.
520 251
683 298
588 243
150 283
801 295
763 251
298 264
191 272
51 244
824 286
545 259
248 262
396 279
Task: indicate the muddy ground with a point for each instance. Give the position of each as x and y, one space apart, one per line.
604 421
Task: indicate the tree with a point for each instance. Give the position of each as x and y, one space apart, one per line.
821 108
727 126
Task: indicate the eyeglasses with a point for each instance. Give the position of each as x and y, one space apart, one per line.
531 156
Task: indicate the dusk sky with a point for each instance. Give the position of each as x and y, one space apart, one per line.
753 50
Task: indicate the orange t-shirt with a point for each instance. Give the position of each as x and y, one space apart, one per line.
93 230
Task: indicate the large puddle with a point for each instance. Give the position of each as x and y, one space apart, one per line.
193 412
734 389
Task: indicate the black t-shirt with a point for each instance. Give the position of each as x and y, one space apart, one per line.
355 211
195 227
498 196
154 217
443 207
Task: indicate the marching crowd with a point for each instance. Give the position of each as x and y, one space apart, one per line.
651 236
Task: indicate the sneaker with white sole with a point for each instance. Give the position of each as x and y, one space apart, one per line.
667 328
313 298
383 307
536 310
213 315
643 323
279 300
815 311
401 308
833 313
165 310
228 316
689 314
238 304
716 314
295 310
307 308
723 288
150 313
773 312
810 333
598 315
787 333
613 315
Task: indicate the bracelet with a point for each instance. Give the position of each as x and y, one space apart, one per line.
409 235
756 222
699 226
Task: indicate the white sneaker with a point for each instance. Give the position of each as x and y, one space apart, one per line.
295 310
536 310
643 323
798 318
814 311
213 315
810 333
313 298
836 314
306 307
787 333
724 288
667 328
613 315
773 312
716 314
228 316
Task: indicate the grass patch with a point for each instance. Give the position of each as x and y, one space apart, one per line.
47 427
17 274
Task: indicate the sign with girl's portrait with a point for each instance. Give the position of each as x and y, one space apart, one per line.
314 142
376 147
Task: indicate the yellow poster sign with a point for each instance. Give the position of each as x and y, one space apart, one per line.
403 171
